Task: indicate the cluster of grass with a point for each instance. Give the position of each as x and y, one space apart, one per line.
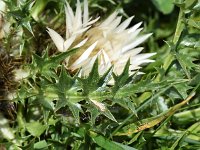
53 108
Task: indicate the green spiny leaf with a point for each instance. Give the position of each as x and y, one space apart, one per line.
122 79
44 101
75 109
60 57
142 86
94 113
46 104
91 82
104 80
108 114
126 103
100 94
182 89
27 24
186 63
21 14
62 101
71 96
65 81
195 80
103 109
38 61
46 64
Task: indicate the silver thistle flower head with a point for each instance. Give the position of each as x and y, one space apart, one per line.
113 42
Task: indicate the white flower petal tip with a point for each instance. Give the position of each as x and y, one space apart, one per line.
135 27
57 39
117 41
109 20
135 43
124 25
145 55
152 54
81 43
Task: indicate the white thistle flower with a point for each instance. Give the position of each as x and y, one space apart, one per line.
111 41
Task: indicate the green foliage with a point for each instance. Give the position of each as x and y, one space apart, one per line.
35 128
164 6
56 108
20 12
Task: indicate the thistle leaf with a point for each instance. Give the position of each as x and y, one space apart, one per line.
44 101
62 101
65 81
182 89
126 103
44 63
186 63
103 81
122 79
103 109
142 86
94 113
91 82
108 114
75 109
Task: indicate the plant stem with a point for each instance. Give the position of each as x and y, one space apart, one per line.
20 118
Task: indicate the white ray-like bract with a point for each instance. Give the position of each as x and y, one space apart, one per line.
76 25
111 40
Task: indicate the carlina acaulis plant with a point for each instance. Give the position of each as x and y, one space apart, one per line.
99 53
109 42
87 74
